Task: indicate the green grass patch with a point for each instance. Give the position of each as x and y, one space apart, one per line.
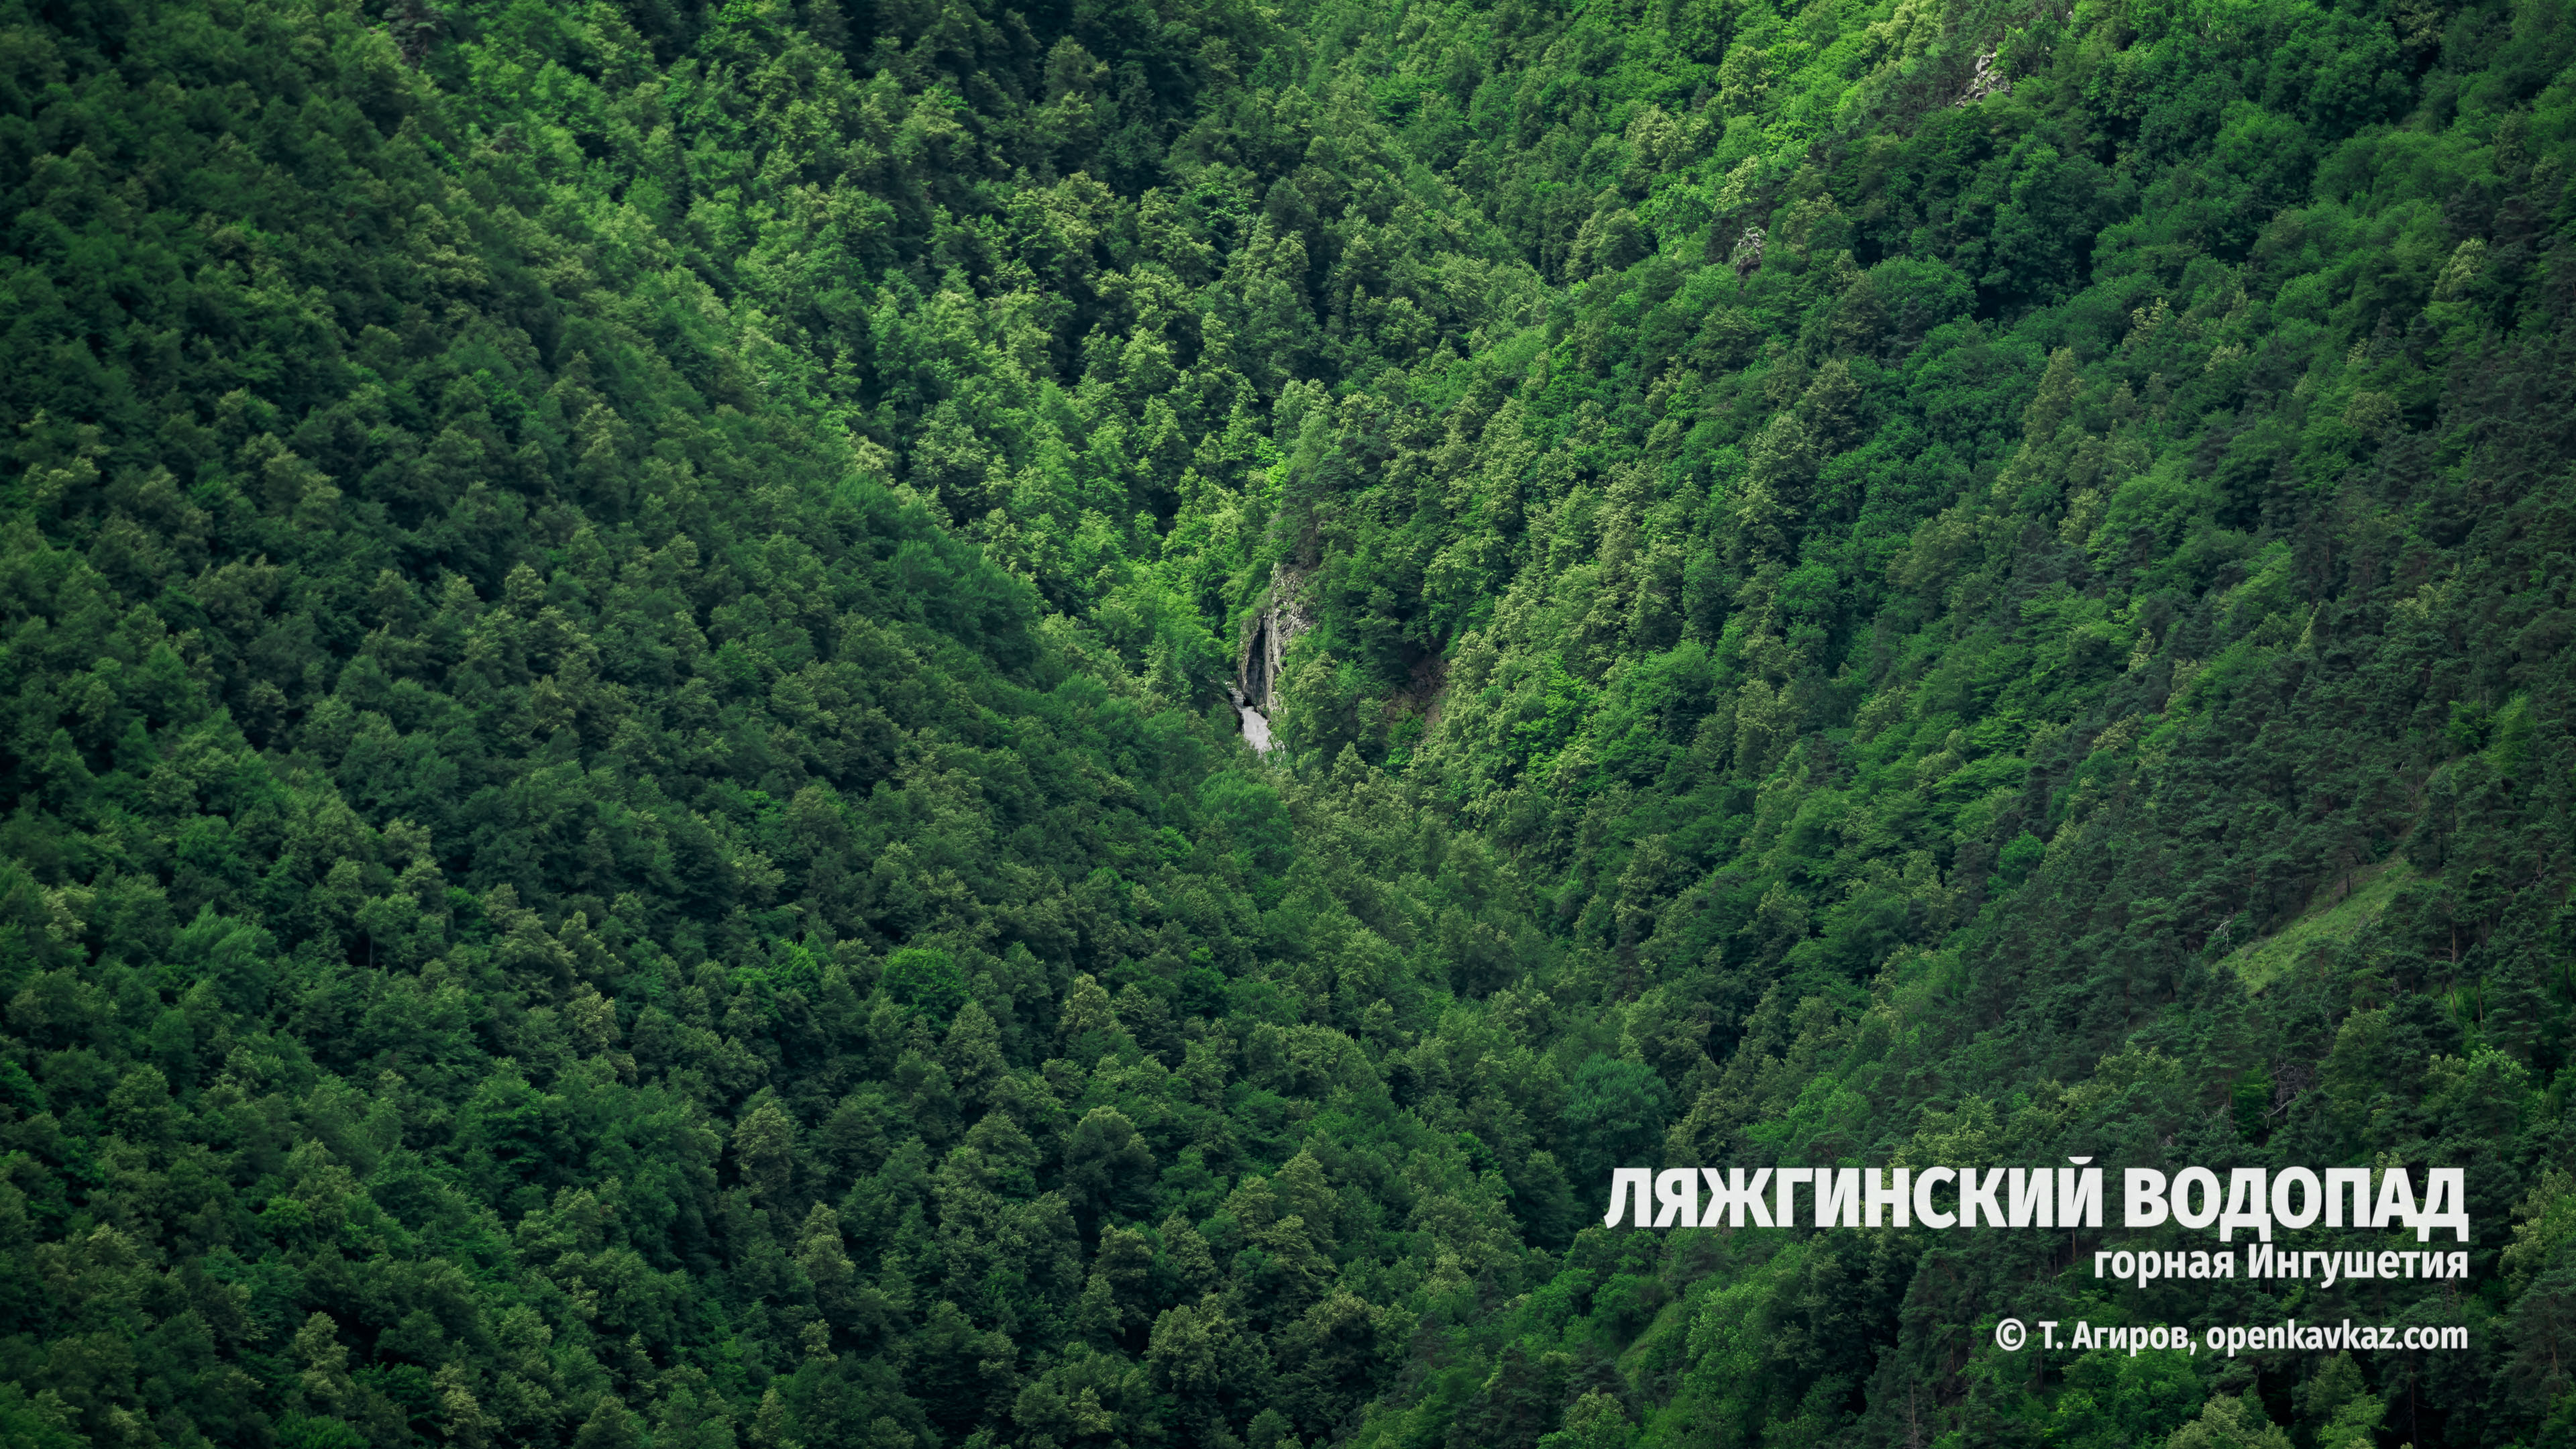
2374 886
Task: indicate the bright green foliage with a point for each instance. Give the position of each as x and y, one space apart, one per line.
622 825
925 979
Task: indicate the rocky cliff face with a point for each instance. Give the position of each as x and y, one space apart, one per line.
1277 618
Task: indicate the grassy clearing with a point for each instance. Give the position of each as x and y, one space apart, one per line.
2258 962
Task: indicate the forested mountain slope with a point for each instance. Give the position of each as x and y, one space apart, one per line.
623 824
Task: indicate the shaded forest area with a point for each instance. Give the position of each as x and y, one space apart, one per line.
620 823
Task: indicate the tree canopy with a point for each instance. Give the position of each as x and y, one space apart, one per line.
621 821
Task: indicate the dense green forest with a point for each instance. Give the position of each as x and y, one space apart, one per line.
621 822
